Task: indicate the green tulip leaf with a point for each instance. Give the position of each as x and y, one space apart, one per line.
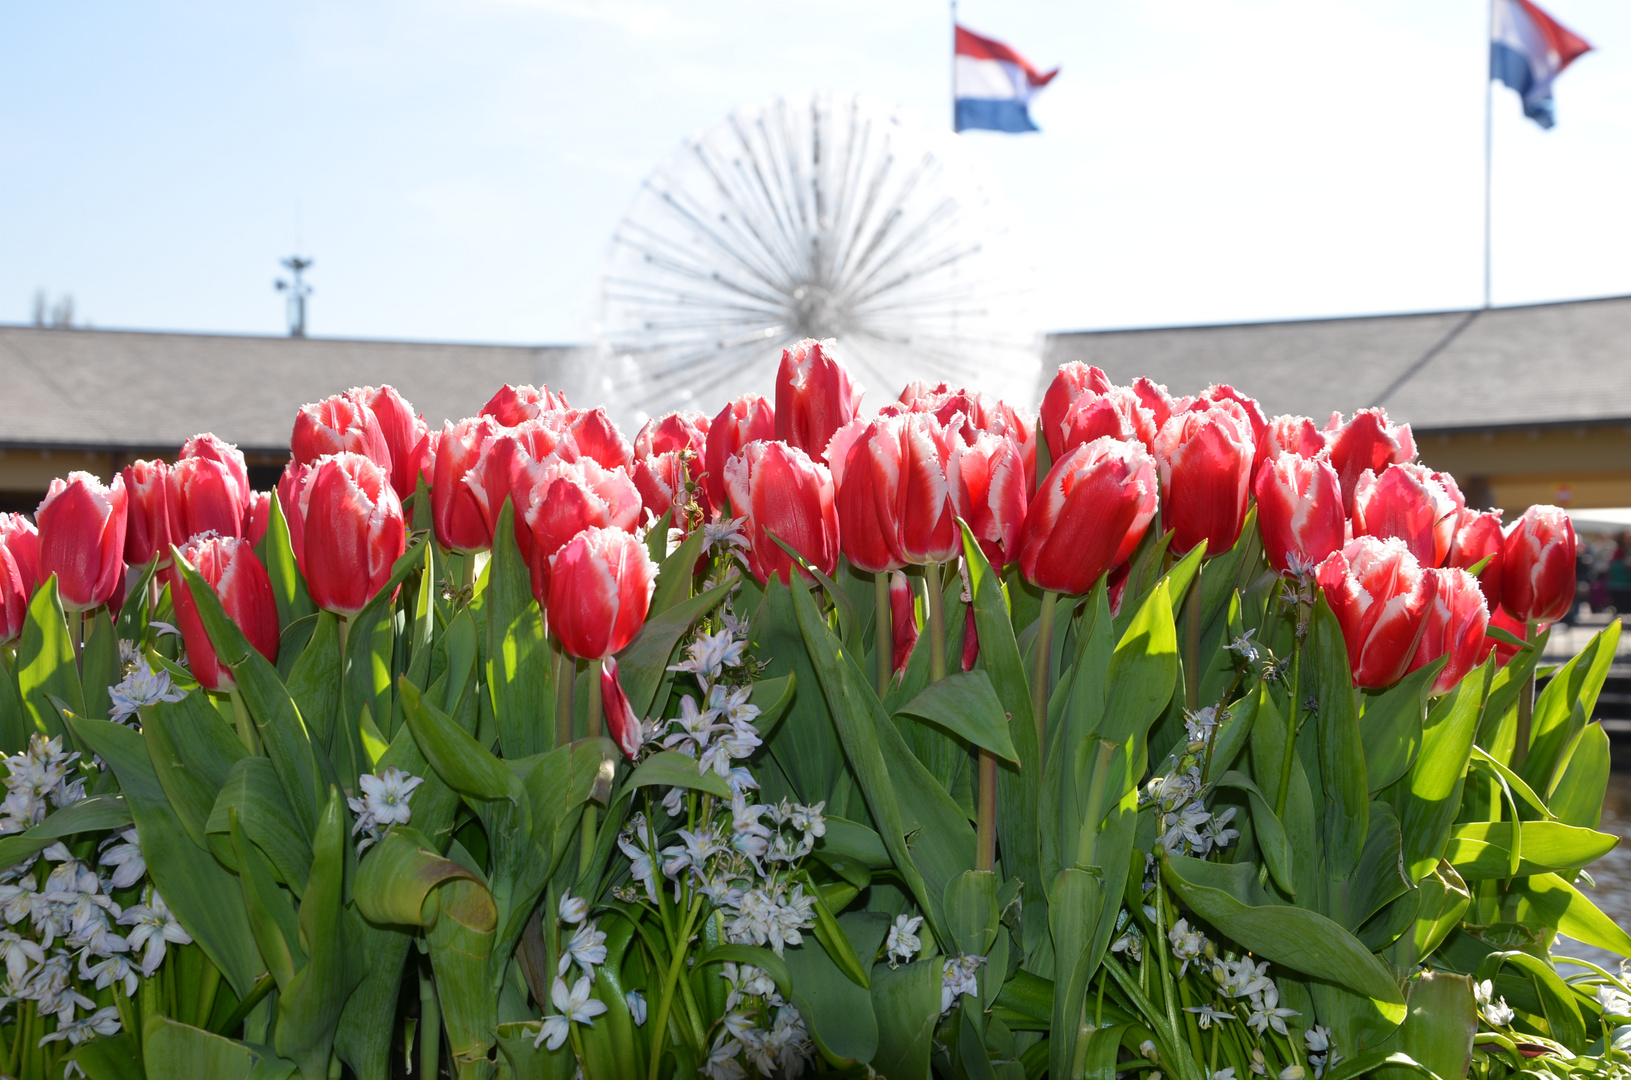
1482 850
1431 794
46 666
176 1051
965 704
1562 708
670 768
1557 1001
1390 728
643 663
1342 770
763 959
520 668
252 790
1572 912
836 1005
906 1005
1581 779
192 752
674 572
94 813
1271 835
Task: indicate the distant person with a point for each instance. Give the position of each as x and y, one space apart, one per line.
1619 575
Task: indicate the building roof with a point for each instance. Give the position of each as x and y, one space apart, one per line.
1532 365
1540 364
123 390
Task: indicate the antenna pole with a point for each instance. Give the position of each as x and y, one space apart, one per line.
298 290
1489 146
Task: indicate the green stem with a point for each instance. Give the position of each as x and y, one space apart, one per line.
591 816
209 980
985 852
659 1030
1526 706
257 993
467 572
937 622
430 1028
1291 732
246 724
1192 643
566 673
884 631
1041 672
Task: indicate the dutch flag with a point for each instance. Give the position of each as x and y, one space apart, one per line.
994 85
1527 50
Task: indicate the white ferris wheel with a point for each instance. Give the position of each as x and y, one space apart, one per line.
817 215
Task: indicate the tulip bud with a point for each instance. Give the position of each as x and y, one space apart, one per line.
600 586
1254 416
148 517
340 423
260 516
458 516
596 436
1368 441
988 491
1117 413
1454 627
1537 571
208 446
1299 512
1292 435
747 419
1380 596
205 497
239 579
1070 382
865 513
82 539
621 723
513 404
1154 397
1413 503
1205 456
1479 536
781 491
407 438
903 614
662 482
911 452
814 397
346 530
1088 515
14 596
675 431
556 500
23 540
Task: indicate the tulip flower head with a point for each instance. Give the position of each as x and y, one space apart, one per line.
1380 596
979 412
663 481
1292 435
1368 441
595 436
260 516
229 565
1088 515
782 492
1537 571
22 539
989 491
1117 413
675 431
407 438
1455 626
346 530
1154 397
747 419
1254 416
557 500
456 513
1413 503
148 533
1479 536
514 404
82 539
1299 512
206 497
208 446
1070 382
815 396
600 586
342 423
865 497
1205 457
911 453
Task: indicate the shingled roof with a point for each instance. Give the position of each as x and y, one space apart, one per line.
123 390
1534 365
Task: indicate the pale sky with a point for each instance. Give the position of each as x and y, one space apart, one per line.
457 168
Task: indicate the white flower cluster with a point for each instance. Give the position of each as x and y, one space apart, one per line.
784 1045
384 803
38 780
1321 1054
72 935
958 976
1186 826
140 686
903 942
1495 1011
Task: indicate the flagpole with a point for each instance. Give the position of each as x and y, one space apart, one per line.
954 65
1489 143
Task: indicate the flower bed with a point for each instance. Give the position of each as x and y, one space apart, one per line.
1147 737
